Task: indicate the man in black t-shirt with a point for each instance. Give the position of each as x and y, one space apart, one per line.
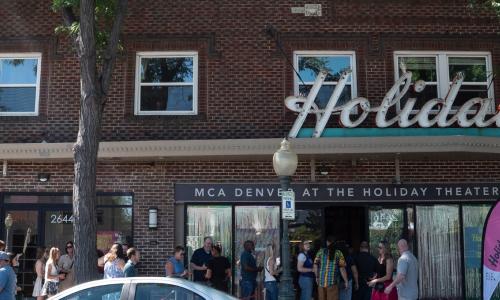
219 270
366 265
200 258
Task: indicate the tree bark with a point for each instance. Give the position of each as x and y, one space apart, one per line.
85 150
93 93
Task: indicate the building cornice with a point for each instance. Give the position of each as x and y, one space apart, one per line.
254 149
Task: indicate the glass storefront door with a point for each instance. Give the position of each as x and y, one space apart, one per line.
23 237
47 220
385 224
260 224
58 225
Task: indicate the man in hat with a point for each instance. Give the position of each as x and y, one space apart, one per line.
7 278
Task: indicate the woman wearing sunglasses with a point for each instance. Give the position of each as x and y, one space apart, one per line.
66 263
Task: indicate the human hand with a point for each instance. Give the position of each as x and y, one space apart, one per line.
356 286
388 290
372 283
346 284
62 276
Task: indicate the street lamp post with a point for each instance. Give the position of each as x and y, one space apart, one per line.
285 163
8 224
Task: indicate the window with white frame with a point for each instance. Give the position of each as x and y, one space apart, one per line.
438 69
19 84
310 63
166 83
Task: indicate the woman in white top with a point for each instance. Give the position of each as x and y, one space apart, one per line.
52 276
41 255
270 271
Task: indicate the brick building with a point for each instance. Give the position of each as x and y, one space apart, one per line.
202 159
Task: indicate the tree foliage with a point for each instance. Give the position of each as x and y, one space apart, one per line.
492 5
105 11
95 27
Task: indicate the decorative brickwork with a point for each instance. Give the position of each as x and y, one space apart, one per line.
243 77
153 185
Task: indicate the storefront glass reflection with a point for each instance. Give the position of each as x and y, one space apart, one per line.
213 221
440 265
114 224
260 224
386 224
23 238
473 217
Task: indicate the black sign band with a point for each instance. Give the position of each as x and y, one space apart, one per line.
255 192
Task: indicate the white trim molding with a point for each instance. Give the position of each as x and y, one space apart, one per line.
165 54
322 53
442 70
36 85
262 149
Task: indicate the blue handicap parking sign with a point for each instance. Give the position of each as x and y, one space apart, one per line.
288 204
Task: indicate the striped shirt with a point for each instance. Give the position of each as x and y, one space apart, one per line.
329 270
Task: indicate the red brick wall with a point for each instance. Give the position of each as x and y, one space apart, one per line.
153 185
243 78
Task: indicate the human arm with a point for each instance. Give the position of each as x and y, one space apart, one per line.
121 264
169 268
355 276
403 266
342 264
300 264
343 273
196 263
388 273
49 273
39 269
100 261
3 280
399 278
208 275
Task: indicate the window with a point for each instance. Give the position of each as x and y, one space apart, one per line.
309 63
439 253
19 84
103 292
166 83
160 291
438 69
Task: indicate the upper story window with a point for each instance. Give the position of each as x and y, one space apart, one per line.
309 63
166 83
438 69
19 84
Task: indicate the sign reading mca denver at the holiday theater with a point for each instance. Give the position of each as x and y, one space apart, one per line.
255 192
475 111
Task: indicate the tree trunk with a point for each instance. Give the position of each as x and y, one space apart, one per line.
84 193
86 148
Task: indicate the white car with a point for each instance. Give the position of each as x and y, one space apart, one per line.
142 288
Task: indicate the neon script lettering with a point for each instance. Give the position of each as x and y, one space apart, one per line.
472 112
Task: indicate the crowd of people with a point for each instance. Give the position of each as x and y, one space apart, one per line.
332 273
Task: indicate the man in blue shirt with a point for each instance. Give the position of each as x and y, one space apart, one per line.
133 258
7 278
200 258
249 271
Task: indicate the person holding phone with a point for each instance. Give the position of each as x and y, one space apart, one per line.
200 259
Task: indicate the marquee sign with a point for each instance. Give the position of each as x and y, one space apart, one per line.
356 192
472 112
